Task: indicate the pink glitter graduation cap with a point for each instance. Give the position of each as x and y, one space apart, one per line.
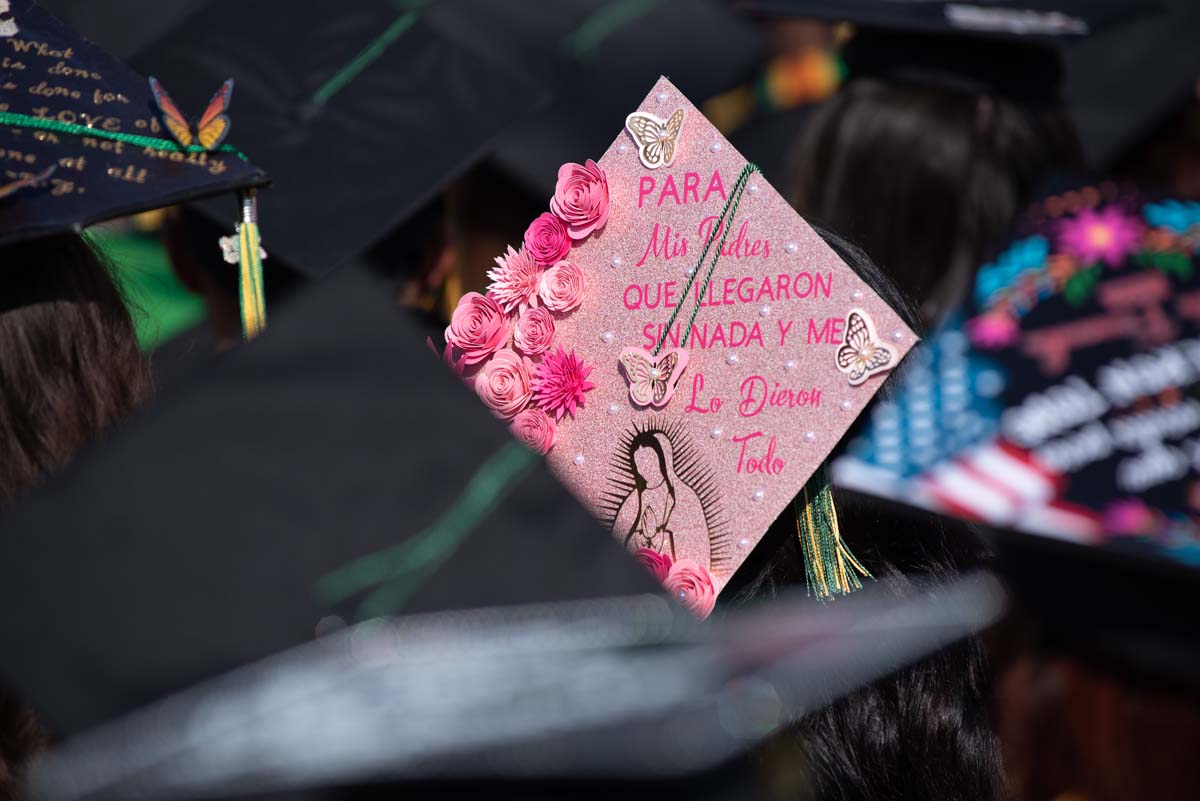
681 345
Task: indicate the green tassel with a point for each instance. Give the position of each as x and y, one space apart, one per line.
250 277
829 567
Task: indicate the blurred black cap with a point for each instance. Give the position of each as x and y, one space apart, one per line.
361 111
69 107
334 469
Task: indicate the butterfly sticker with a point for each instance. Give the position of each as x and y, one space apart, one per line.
27 181
656 138
862 355
210 131
652 379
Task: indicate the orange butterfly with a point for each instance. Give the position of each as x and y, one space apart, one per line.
29 180
213 125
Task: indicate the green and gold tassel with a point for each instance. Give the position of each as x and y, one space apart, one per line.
250 281
829 566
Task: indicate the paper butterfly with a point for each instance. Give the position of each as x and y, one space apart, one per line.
656 138
29 180
862 355
652 379
213 125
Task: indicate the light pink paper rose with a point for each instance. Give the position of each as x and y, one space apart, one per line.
535 429
504 383
478 328
546 239
693 586
659 564
534 331
562 287
581 198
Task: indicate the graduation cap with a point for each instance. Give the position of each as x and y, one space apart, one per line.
322 472
1063 403
123 35
361 112
83 139
625 695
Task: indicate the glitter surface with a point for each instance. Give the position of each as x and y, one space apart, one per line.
658 477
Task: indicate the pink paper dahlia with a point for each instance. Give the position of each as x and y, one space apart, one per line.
515 281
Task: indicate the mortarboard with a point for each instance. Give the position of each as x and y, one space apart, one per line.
370 108
139 23
1063 404
685 350
87 137
261 496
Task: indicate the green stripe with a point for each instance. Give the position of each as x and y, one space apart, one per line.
25 121
368 56
604 22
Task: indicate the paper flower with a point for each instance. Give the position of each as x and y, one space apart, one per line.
534 331
478 328
659 564
546 239
535 430
993 330
515 280
693 586
581 198
1108 235
504 383
560 382
562 287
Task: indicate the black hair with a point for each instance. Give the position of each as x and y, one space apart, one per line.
925 731
926 178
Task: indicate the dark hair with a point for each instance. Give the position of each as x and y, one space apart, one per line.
924 732
69 361
926 178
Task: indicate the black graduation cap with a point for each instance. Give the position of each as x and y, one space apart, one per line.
609 695
333 468
605 54
139 23
1061 408
361 111
85 128
1008 47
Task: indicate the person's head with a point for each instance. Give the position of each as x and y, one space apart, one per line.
924 732
926 176
69 361
647 461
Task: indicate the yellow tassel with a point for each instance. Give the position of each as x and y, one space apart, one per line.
250 281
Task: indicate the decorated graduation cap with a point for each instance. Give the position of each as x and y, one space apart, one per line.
361 112
83 138
321 474
1064 402
683 348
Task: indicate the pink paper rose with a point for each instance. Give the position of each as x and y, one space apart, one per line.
535 430
534 331
693 586
478 328
659 564
581 198
504 383
562 286
546 239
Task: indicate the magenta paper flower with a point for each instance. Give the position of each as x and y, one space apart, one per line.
504 383
1130 517
478 328
535 430
659 564
515 280
559 383
693 586
581 198
993 330
1108 235
546 239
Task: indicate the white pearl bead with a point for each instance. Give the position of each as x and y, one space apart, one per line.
617 261
764 311
809 436
758 495
856 294
744 543
716 432
846 405
791 247
689 272
752 188
732 359
607 337
613 408
790 364
655 373
897 335
715 147
622 148
579 458
661 97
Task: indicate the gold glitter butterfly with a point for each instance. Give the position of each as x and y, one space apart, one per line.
862 355
656 138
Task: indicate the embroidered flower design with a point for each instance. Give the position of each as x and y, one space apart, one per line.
1109 235
515 280
993 330
560 383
